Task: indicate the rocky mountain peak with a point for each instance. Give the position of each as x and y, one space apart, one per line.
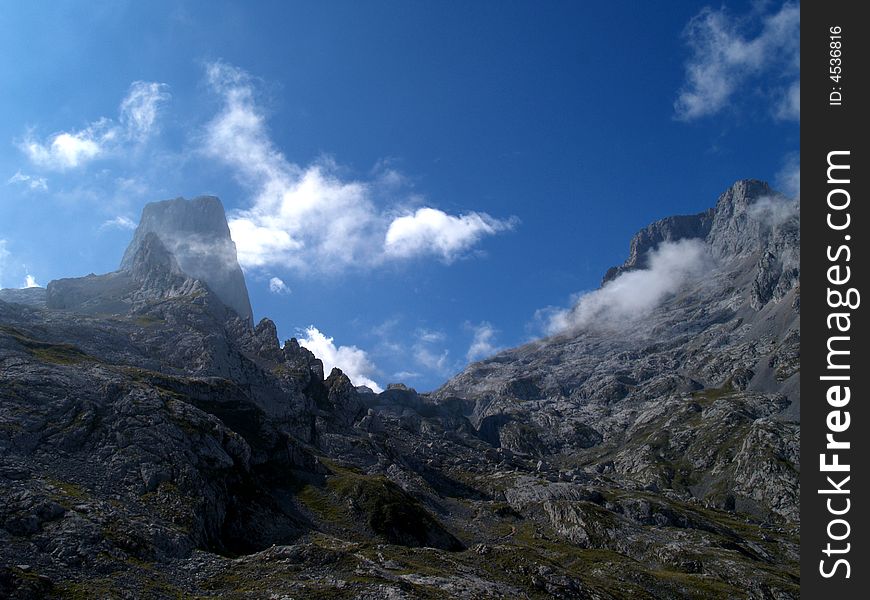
669 229
744 217
196 234
742 194
742 222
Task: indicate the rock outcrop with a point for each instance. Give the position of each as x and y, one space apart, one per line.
196 233
181 248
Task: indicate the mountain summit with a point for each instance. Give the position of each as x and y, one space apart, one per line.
180 248
196 233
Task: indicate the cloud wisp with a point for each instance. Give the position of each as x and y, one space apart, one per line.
773 211
757 51
777 209
4 258
312 218
137 120
430 353
788 180
33 183
353 361
483 342
431 359
120 222
432 231
633 294
139 109
277 286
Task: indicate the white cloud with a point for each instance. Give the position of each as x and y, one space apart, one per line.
789 107
483 343
428 352
728 61
34 183
431 231
353 361
66 150
4 258
138 112
433 360
788 180
119 222
72 149
633 294
430 336
277 286
313 218
774 210
29 280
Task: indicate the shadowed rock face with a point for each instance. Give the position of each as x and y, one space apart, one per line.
196 233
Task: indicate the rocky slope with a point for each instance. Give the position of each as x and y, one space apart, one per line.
153 444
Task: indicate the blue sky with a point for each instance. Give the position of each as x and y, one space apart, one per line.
416 181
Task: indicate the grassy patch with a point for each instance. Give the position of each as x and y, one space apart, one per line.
349 499
60 354
420 561
68 491
708 396
324 506
148 320
107 587
697 586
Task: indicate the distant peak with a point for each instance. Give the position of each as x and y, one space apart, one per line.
728 228
737 228
743 193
